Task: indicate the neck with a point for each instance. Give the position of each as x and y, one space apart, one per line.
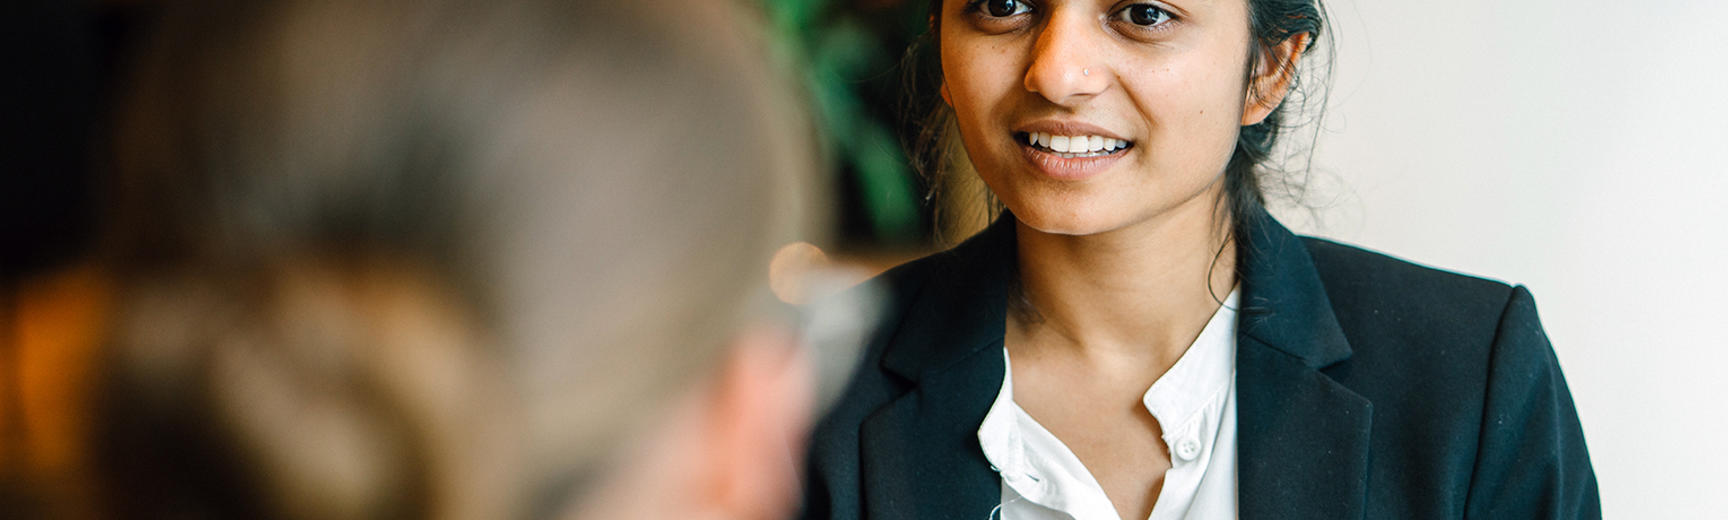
1139 294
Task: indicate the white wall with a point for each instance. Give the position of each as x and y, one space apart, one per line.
1577 147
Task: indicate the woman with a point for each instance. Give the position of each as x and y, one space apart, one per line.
414 259
1135 337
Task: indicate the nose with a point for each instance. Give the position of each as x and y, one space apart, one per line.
1065 68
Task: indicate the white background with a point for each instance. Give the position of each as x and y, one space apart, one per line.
1577 147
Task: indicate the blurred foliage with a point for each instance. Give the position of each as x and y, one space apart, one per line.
848 54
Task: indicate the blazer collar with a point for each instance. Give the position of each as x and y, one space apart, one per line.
920 456
962 308
1284 303
1302 436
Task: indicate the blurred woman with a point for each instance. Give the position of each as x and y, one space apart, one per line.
454 259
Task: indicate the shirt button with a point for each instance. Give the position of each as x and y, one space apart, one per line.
1187 449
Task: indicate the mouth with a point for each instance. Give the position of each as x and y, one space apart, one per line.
1073 146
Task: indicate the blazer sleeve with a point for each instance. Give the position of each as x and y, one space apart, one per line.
1531 460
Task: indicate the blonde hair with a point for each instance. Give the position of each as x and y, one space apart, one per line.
372 247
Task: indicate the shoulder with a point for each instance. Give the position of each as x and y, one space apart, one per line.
1346 268
930 311
1375 294
1416 333
869 385
905 280
910 292
1458 364
911 277
1461 364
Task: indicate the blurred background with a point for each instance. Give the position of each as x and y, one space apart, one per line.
1574 147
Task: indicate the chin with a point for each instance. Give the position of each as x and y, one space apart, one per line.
1063 220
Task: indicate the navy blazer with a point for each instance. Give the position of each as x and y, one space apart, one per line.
1368 387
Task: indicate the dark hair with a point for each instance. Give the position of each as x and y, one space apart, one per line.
1270 21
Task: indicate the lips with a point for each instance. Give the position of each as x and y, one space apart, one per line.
1069 150
1071 166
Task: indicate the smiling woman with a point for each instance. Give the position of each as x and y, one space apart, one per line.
1136 337
1170 90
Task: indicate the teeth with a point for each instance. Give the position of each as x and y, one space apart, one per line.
1075 144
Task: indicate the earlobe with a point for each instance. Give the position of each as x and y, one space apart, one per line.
1271 80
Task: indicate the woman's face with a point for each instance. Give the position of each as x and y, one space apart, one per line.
1086 116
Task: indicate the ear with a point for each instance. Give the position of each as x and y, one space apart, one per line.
759 418
1270 81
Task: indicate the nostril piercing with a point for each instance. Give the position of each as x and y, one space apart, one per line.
1085 72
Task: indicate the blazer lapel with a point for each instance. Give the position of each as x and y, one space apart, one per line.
920 453
1302 437
921 457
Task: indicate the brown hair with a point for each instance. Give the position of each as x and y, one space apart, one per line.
429 258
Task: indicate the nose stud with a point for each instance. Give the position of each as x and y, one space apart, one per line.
1085 72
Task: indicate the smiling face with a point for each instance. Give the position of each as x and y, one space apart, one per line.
1087 116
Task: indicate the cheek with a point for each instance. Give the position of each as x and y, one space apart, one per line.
979 78
976 73
1194 110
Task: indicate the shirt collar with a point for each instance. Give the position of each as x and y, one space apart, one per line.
1203 373
999 435
1200 376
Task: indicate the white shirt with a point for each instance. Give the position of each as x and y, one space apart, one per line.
1194 403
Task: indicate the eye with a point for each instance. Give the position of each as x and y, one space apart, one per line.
1001 8
1147 15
